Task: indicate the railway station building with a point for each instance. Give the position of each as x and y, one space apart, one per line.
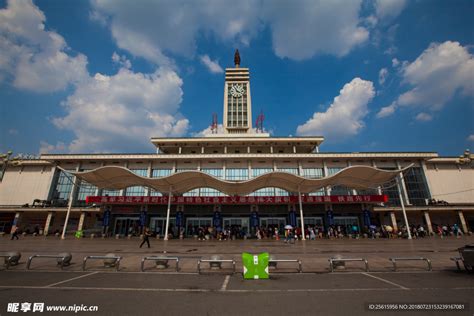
240 176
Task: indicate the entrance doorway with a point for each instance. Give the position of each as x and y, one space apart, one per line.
279 222
240 223
127 226
347 222
158 225
193 224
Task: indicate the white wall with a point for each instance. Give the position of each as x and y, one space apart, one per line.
449 183
21 185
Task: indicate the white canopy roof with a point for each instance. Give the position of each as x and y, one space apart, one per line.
356 177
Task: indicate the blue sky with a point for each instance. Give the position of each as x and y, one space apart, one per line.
105 76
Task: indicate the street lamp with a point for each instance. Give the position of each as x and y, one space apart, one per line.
69 205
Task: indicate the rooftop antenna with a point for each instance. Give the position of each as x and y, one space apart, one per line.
259 122
214 123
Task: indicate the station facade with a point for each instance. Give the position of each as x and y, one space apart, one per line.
35 193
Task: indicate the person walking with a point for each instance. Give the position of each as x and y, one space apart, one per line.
15 233
146 236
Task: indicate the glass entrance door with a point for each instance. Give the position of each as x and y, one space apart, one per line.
347 222
279 222
193 224
127 226
158 224
239 222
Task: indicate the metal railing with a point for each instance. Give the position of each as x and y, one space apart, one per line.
159 258
274 262
333 260
395 259
115 263
65 259
215 261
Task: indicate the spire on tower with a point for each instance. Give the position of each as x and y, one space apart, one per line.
237 58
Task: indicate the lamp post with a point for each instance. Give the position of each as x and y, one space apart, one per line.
69 205
403 207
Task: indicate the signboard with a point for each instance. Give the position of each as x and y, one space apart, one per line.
217 219
179 219
330 216
143 217
366 217
292 218
106 219
254 219
139 200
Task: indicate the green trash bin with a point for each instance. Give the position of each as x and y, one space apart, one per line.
255 266
79 234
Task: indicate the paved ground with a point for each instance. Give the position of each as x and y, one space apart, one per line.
316 291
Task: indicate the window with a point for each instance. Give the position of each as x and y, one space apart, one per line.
313 173
210 192
111 192
194 192
259 171
216 172
417 189
137 190
290 170
391 191
281 192
63 186
236 174
338 189
158 173
263 192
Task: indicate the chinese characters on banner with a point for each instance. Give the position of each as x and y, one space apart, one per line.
236 199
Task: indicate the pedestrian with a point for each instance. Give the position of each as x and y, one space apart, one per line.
15 232
146 236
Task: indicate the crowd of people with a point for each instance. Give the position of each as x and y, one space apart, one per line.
313 232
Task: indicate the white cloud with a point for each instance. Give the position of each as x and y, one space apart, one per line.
395 62
383 73
440 72
33 58
387 111
120 112
437 74
212 66
424 117
471 138
122 61
46 148
389 8
345 115
208 131
156 30
303 29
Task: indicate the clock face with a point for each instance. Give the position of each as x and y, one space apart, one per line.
237 90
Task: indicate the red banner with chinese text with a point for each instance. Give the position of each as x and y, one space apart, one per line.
236 199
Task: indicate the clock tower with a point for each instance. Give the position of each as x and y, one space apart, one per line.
237 101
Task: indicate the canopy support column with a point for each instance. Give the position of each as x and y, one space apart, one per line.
402 203
168 216
303 237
